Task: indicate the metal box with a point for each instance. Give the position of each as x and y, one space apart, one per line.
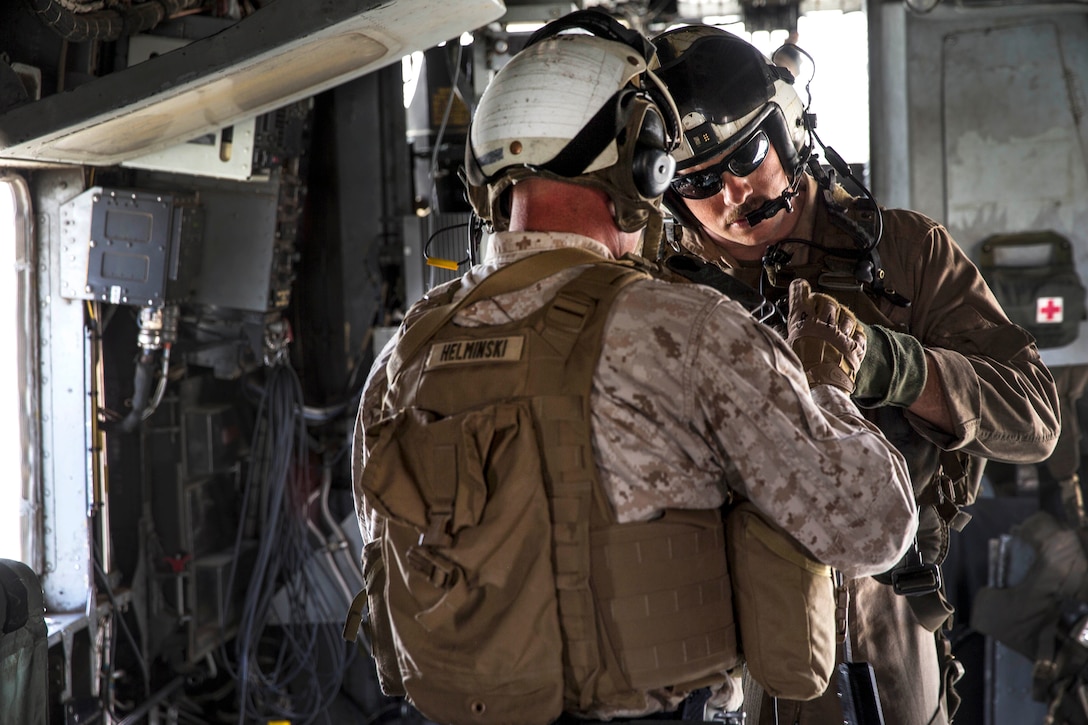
131 247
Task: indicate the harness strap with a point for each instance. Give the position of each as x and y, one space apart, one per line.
577 503
1064 462
932 610
950 491
952 670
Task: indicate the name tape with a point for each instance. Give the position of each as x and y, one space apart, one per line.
459 352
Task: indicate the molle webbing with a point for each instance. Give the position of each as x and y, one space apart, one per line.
643 605
665 584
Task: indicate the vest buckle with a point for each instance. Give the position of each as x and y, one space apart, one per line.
916 578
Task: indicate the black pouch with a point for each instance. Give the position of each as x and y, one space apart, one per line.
857 691
1034 277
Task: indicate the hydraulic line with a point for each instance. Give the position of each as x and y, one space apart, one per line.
158 330
65 18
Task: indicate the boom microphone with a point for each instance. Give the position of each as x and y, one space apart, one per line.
770 208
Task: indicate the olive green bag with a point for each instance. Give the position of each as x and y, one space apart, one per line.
784 601
1034 277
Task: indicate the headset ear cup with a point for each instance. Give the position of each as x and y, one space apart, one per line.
653 169
673 132
651 165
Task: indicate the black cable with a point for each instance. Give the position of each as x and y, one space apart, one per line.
844 170
143 377
144 672
811 76
314 415
269 562
833 158
806 117
277 670
106 25
435 233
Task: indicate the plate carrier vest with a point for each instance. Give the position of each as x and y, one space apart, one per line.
501 588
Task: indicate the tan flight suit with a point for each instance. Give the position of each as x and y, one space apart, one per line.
693 400
1003 404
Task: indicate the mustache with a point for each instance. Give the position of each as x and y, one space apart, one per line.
744 210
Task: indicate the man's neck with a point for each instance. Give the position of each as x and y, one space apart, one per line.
545 205
806 208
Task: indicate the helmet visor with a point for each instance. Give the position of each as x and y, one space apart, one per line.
722 78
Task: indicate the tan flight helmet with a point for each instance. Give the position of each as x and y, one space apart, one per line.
581 108
726 90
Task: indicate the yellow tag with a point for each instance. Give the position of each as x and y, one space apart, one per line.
442 263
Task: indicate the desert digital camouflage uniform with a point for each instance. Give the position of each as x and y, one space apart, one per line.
693 398
1003 403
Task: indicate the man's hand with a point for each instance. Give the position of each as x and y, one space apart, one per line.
826 336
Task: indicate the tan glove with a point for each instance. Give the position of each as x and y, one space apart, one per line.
825 336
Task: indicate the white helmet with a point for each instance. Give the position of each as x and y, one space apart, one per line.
726 90
578 108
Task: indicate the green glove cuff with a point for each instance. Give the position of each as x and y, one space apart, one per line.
893 371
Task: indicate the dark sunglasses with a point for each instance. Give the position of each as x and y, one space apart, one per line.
708 182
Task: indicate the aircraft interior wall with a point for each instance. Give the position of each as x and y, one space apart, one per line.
206 316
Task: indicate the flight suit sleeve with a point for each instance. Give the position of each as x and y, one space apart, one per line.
1001 396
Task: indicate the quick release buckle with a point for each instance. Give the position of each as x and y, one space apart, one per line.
436 569
913 581
916 578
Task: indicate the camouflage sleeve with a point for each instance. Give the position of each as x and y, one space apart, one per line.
694 396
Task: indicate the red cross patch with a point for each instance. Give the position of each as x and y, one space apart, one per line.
1048 310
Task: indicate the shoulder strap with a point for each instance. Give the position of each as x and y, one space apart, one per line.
573 327
570 318
516 275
